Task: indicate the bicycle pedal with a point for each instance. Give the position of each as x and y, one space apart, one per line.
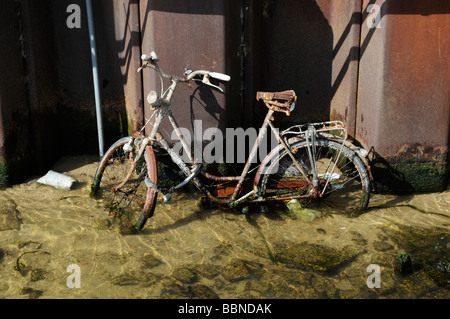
167 197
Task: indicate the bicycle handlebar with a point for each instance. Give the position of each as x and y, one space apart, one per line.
153 59
220 76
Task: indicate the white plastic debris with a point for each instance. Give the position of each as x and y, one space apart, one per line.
332 177
57 180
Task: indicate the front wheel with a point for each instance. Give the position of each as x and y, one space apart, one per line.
128 200
343 180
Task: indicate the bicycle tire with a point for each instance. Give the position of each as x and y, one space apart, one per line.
349 193
133 203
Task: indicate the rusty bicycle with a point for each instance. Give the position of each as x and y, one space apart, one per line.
316 164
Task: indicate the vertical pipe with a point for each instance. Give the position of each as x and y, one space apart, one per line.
95 76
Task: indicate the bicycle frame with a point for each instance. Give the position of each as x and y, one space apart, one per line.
232 201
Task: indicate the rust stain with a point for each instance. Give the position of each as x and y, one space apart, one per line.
421 153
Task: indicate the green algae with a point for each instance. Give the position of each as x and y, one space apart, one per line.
427 251
4 174
393 176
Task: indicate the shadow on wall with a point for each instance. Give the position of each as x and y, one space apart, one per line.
402 173
116 42
188 34
77 104
297 54
388 178
49 69
15 157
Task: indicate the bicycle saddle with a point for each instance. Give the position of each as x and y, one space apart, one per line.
278 101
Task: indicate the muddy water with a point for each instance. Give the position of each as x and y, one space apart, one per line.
188 251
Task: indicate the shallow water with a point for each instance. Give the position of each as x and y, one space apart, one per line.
188 251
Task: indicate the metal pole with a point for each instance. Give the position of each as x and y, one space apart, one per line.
95 76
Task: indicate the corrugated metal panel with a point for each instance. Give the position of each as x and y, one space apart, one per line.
403 103
389 84
15 157
187 34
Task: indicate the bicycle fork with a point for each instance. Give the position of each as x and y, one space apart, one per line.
127 148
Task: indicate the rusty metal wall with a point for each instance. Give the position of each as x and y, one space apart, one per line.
345 20
14 114
41 82
297 49
115 55
389 84
403 93
309 46
128 32
46 90
341 65
190 34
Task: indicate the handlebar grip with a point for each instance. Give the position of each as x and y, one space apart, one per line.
220 76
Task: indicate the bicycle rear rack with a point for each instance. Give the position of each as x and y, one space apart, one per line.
335 128
310 132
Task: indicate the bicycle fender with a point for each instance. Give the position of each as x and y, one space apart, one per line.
267 160
125 139
359 151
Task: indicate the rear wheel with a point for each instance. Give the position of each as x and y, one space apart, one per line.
130 202
343 180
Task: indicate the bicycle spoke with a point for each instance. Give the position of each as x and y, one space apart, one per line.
121 184
340 183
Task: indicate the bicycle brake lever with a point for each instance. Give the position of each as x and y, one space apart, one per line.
207 82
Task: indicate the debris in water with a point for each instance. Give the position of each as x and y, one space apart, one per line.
57 180
301 213
404 264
